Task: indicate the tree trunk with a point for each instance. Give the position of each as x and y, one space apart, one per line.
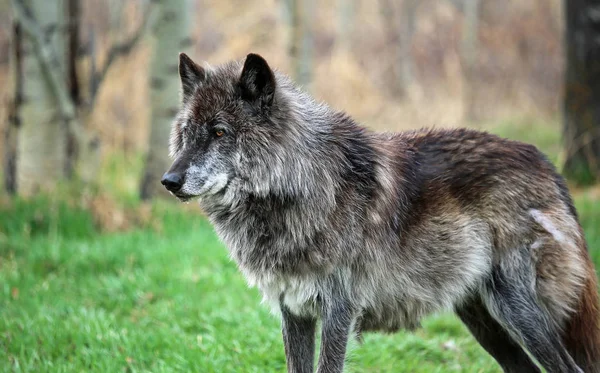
83 144
581 128
407 31
171 35
399 23
41 144
53 143
301 43
345 25
13 123
468 51
72 74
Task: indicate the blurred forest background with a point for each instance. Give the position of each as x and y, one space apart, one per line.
88 90
108 89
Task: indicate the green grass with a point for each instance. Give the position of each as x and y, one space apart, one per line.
170 300
75 300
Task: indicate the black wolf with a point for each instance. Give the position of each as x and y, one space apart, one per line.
369 231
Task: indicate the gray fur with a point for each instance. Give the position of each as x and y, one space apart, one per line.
373 231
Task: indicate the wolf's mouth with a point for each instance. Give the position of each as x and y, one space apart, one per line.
182 197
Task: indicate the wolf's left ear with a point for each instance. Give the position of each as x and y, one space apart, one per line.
257 80
191 74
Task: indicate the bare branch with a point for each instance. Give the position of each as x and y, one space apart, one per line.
45 55
121 49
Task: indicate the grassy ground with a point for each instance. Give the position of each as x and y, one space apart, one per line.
164 297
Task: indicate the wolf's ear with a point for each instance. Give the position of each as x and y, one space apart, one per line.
257 80
191 74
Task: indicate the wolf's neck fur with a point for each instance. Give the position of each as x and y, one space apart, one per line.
310 146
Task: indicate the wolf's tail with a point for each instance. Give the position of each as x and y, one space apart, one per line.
582 331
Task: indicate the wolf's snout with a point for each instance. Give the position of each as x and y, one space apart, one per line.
172 181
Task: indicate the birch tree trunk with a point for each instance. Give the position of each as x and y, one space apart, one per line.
42 140
170 36
53 142
399 21
469 47
407 31
345 25
300 15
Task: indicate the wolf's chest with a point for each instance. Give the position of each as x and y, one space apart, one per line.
298 293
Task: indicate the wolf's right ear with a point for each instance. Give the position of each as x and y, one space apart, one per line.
191 74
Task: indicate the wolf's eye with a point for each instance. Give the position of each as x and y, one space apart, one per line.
219 133
186 130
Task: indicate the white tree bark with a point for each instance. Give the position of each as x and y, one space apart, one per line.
171 34
41 145
52 143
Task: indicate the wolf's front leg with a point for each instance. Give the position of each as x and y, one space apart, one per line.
299 341
337 320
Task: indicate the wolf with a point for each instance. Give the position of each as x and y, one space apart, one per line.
367 231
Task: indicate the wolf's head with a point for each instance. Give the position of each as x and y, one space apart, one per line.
221 108
245 128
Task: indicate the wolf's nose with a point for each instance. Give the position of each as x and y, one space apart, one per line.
172 182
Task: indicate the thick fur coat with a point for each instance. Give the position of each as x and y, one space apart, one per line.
370 231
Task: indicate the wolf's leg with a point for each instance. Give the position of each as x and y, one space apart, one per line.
511 299
494 339
299 341
337 319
